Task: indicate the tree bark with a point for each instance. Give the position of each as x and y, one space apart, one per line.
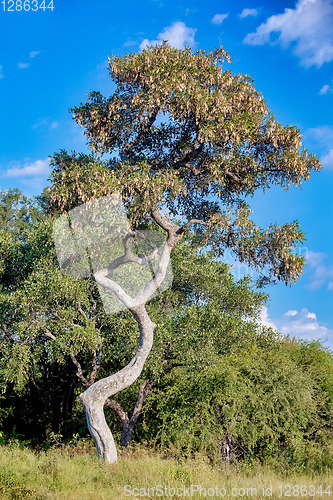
94 398
227 449
126 436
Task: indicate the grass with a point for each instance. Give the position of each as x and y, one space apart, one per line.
75 473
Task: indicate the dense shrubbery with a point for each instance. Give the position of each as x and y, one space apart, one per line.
214 370
275 403
274 409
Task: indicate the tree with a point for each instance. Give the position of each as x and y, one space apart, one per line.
51 324
202 317
18 241
216 145
37 378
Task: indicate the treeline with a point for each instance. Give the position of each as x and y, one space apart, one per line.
217 381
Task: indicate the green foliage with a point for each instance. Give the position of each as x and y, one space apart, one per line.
273 408
215 368
20 246
203 314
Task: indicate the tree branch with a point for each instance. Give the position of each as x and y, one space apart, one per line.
79 372
165 223
122 414
48 333
191 155
96 363
189 223
241 181
129 256
194 153
82 311
143 392
101 278
144 129
145 293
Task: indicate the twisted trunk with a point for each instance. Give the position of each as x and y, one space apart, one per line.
93 399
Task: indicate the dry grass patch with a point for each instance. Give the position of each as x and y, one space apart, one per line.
77 474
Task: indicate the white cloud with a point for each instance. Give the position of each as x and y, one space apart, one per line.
301 324
177 34
130 43
304 324
38 168
190 11
327 160
103 65
248 12
34 53
321 137
75 138
219 18
324 89
322 272
323 134
46 123
315 258
308 27
35 183
291 313
23 65
265 319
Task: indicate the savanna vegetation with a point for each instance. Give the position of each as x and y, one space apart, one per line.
216 375
215 386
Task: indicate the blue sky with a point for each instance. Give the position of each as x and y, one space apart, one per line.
49 61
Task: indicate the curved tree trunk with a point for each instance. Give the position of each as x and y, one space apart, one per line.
94 397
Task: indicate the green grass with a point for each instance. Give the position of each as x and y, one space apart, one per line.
76 473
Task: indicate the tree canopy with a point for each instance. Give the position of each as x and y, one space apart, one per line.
194 139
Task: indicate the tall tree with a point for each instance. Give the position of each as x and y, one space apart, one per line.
194 143
51 324
202 317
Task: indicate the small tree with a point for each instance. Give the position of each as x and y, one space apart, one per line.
194 142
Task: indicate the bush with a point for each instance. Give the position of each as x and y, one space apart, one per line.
275 403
